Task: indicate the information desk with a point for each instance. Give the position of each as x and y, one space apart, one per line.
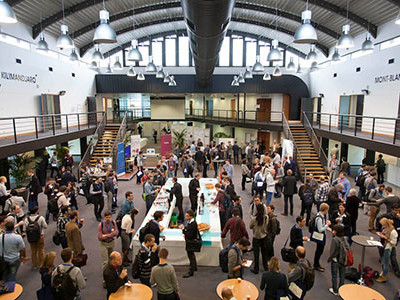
174 240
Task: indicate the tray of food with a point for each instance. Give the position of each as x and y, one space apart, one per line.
209 186
203 227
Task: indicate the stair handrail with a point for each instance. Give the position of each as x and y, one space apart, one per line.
120 137
314 140
93 142
296 153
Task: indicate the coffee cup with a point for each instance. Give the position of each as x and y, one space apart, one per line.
248 297
239 280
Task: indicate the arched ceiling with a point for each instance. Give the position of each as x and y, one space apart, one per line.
257 17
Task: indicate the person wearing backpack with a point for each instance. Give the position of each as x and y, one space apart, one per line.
34 226
273 229
107 231
15 200
236 263
259 225
301 278
337 258
67 280
307 199
318 227
50 190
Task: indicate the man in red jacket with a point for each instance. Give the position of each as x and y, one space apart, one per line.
220 199
236 227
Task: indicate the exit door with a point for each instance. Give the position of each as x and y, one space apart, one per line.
233 108
263 138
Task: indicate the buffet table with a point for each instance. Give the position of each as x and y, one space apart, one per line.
174 240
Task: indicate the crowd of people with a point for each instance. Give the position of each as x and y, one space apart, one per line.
269 176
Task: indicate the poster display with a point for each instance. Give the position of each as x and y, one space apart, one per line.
166 146
135 145
195 132
121 159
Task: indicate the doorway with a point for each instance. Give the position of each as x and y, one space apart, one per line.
317 103
191 107
233 108
209 108
263 138
50 105
351 105
264 110
286 106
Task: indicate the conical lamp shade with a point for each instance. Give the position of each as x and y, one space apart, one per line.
166 78
151 67
235 81
131 72
274 54
267 76
248 74
258 67
277 72
367 45
134 54
306 33
336 55
73 56
241 78
160 73
104 33
312 55
7 15
140 76
346 40
291 66
64 41
117 64
42 44
97 56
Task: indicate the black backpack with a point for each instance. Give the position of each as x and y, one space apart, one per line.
135 266
309 276
118 221
62 286
53 205
33 231
223 258
278 226
144 231
311 224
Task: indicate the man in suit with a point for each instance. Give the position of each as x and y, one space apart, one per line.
190 231
97 192
34 189
194 188
113 274
289 189
296 233
176 191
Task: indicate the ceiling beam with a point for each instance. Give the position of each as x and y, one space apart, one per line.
14 2
183 32
395 2
373 29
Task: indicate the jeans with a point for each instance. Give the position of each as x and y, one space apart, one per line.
98 205
290 199
260 244
37 252
105 251
306 208
318 253
336 269
33 201
393 260
269 197
171 174
236 158
385 262
10 273
244 177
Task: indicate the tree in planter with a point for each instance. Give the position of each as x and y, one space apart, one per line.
180 138
19 167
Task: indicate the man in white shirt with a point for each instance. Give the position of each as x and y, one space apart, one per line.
277 158
61 197
127 231
270 185
3 191
15 200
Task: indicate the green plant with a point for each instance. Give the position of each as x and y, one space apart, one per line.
221 135
61 151
179 138
127 140
20 165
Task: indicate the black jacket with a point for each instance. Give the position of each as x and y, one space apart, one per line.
177 191
296 237
352 204
154 230
289 185
193 185
34 185
190 231
112 279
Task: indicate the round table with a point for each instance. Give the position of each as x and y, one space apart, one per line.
239 290
362 240
137 291
14 295
358 292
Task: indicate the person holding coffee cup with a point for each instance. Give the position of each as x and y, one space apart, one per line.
113 274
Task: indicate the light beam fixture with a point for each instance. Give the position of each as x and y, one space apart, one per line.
117 64
312 55
7 15
241 78
134 54
160 73
291 66
277 72
97 56
398 19
73 56
172 81
298 69
131 72
274 54
151 67
104 33
336 55
140 76
235 81
258 67
367 45
346 40
64 41
267 76
306 33
166 78
248 73
42 44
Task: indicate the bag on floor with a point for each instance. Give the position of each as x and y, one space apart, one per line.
351 274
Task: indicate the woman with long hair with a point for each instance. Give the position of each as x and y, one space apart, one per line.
273 281
259 225
45 271
389 237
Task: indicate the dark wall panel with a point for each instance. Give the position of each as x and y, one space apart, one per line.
288 84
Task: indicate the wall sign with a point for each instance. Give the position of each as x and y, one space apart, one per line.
387 78
18 77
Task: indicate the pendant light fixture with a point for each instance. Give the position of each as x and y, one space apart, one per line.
93 65
291 66
131 72
109 69
306 33
298 69
160 73
166 78
367 45
151 67
336 55
314 66
73 56
346 40
64 41
134 54
274 54
104 33
235 81
398 19
312 55
277 72
117 64
42 44
248 73
258 67
241 78
267 76
7 15
97 56
140 76
172 81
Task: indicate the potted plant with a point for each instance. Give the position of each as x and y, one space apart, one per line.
61 151
180 138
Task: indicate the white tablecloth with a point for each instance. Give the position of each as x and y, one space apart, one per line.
174 240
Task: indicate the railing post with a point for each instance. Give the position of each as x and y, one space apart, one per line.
54 127
330 119
15 131
79 124
87 120
36 131
373 128
395 131
319 120
244 115
355 126
341 123
66 122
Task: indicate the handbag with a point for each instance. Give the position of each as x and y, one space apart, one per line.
288 254
80 260
194 245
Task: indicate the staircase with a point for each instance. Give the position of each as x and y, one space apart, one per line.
309 162
105 143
